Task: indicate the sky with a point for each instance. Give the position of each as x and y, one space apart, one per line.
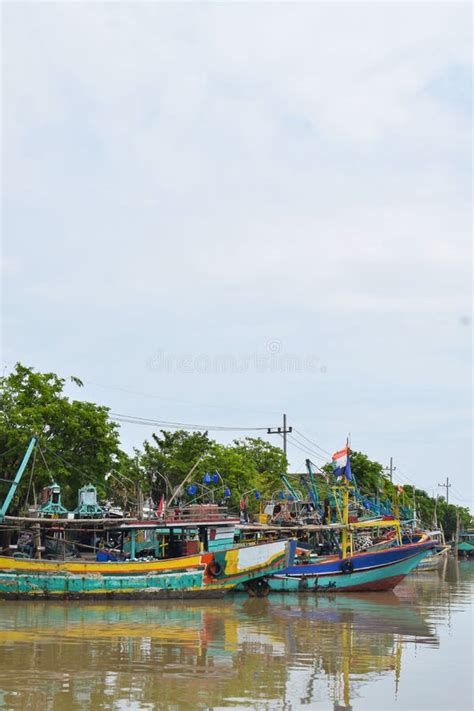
214 213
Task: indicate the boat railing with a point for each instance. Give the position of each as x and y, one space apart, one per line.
197 512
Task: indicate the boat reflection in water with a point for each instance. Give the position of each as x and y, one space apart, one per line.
352 637
286 651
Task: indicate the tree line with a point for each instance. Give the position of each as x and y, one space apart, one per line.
79 443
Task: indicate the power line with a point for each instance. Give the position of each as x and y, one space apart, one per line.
302 447
307 449
138 393
313 443
292 444
135 420
403 477
460 499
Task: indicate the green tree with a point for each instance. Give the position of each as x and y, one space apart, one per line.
243 465
370 474
167 459
77 442
269 462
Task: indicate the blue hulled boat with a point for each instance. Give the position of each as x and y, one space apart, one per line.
379 570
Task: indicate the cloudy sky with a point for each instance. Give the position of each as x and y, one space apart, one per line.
217 213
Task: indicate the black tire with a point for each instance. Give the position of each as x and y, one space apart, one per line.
257 588
214 569
347 567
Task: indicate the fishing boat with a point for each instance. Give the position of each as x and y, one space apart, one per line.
437 555
465 546
433 560
309 509
178 554
358 572
378 567
351 570
202 575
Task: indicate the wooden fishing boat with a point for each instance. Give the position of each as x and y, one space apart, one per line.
179 553
206 574
437 554
433 559
351 571
465 547
370 571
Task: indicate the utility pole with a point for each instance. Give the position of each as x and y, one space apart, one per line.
281 430
390 469
447 487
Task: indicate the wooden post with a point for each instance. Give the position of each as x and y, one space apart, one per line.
140 503
456 543
345 521
132 544
37 539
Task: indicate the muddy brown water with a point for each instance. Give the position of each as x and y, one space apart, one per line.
407 650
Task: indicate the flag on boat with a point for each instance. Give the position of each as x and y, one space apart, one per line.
341 464
161 507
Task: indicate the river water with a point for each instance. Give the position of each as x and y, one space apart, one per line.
407 650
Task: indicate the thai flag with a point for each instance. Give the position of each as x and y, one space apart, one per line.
341 464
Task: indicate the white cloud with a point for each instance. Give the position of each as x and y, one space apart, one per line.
249 167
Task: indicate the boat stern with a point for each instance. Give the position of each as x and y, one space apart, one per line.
249 566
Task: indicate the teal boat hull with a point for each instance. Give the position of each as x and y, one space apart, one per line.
166 586
206 574
381 578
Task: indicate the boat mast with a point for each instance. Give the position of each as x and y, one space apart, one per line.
16 481
346 537
346 543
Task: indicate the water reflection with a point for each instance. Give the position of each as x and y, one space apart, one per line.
287 651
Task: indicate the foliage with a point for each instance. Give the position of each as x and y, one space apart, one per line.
170 456
77 442
244 465
430 511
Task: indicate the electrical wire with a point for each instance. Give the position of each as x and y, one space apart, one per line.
312 442
297 445
132 419
138 393
305 447
292 444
